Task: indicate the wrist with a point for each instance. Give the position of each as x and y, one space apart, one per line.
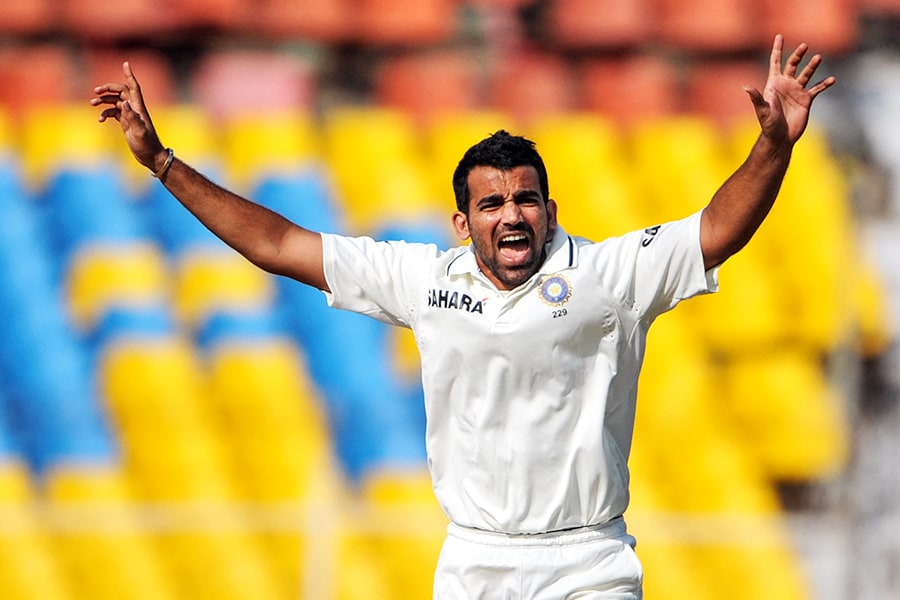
161 163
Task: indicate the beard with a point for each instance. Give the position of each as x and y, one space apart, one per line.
510 275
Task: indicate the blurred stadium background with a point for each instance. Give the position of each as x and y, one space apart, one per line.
175 424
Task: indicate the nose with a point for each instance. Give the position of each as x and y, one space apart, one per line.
511 213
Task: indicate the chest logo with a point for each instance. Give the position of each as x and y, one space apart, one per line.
555 290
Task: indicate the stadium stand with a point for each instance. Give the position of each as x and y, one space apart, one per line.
429 84
580 24
725 26
329 21
629 89
199 429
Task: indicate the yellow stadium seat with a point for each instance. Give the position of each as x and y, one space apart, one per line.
153 384
186 128
30 566
589 176
680 163
677 408
186 466
377 163
731 566
271 143
155 390
213 280
874 324
809 239
446 139
278 431
788 413
360 572
104 547
669 568
53 137
190 130
749 312
411 528
212 558
101 277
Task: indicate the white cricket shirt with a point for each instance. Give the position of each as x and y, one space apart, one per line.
530 394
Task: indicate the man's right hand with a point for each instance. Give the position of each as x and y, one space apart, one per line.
125 103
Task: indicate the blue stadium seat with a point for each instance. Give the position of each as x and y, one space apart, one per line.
45 369
88 205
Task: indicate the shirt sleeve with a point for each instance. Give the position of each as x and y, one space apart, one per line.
378 279
660 266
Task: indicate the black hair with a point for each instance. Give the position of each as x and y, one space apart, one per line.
501 151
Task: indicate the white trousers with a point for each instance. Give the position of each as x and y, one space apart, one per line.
594 563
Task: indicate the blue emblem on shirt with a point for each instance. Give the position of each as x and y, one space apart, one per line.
555 290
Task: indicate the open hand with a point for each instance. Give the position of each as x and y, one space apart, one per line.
125 103
782 108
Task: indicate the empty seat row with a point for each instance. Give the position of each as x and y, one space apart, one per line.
728 26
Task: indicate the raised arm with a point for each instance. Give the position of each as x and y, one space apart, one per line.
738 208
264 237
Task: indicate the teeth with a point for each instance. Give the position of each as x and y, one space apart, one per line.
513 238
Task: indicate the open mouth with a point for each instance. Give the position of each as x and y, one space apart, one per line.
514 246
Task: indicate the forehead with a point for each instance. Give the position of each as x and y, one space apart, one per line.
487 181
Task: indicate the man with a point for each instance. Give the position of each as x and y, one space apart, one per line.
531 340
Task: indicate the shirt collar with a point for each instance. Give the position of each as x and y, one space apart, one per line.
562 253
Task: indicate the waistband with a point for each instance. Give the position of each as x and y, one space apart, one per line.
613 529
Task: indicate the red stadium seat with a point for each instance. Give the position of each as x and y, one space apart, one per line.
155 73
26 16
398 22
890 8
427 84
531 84
630 89
715 89
25 69
830 28
99 20
600 23
710 25
321 20
231 82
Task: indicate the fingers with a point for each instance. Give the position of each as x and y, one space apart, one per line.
775 57
822 86
792 66
793 61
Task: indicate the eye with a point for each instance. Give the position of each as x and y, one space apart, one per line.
489 204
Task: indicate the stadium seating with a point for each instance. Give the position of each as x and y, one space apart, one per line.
831 29
258 147
320 20
101 543
410 532
30 564
710 25
398 23
529 83
588 24
28 67
591 179
176 424
26 17
429 84
375 159
227 82
629 89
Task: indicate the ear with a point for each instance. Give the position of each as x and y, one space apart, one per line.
552 209
461 225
